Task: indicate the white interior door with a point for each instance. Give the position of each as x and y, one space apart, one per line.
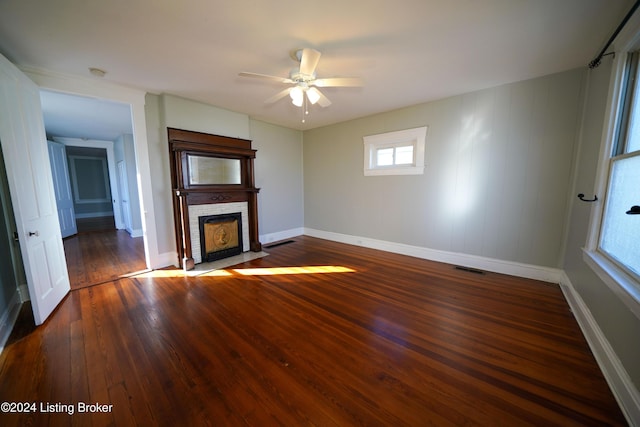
24 145
124 195
62 188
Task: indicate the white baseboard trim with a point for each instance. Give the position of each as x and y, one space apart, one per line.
281 235
94 214
623 389
23 291
546 274
165 259
8 319
135 233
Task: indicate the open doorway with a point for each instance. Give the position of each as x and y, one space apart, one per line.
99 173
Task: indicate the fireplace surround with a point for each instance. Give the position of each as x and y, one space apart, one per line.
211 175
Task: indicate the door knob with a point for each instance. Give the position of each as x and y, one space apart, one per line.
34 233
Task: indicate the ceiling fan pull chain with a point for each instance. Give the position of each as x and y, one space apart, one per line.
304 110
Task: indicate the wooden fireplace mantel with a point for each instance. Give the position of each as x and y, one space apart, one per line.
183 143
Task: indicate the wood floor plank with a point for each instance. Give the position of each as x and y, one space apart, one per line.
78 364
96 366
389 340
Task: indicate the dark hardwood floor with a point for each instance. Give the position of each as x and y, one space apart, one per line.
99 223
100 256
317 333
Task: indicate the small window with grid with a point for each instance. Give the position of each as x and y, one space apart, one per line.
395 153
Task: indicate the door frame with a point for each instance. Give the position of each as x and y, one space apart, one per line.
123 182
74 85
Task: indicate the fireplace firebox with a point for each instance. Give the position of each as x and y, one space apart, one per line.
220 236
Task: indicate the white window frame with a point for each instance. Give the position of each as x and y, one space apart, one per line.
415 137
623 284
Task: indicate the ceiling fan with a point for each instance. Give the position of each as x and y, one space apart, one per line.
304 81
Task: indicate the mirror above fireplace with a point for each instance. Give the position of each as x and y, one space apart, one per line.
207 170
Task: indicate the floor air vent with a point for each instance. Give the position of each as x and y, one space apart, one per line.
469 269
273 245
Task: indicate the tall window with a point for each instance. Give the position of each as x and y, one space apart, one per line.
613 245
620 230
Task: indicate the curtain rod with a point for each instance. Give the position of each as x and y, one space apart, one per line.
596 61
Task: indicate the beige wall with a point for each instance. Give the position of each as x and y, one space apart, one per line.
279 175
496 182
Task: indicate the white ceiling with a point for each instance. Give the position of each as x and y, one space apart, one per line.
406 51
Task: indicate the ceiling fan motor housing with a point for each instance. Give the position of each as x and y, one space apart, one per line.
299 77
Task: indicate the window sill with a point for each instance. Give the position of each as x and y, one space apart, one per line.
621 283
395 171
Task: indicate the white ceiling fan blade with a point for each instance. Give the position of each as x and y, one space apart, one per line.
266 77
323 101
278 96
338 82
309 61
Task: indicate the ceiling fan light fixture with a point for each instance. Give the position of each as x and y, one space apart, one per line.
303 80
313 95
297 96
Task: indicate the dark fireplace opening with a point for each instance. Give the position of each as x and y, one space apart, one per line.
220 236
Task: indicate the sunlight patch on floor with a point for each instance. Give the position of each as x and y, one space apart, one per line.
319 269
157 274
216 273
205 268
264 271
162 273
